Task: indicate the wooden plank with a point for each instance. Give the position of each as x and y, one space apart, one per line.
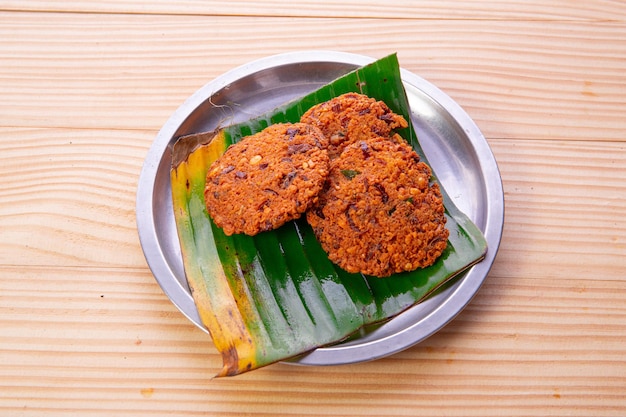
76 339
565 209
604 10
528 79
68 196
117 347
85 328
74 203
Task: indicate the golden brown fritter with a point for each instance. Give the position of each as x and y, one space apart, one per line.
378 213
267 179
351 117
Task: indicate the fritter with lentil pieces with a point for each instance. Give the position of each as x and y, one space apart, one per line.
378 213
351 117
267 179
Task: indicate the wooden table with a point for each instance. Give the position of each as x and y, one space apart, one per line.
84 87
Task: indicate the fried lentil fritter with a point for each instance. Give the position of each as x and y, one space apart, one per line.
378 214
351 117
267 179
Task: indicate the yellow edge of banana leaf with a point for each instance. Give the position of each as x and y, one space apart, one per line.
218 309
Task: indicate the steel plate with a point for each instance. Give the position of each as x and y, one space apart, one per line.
453 144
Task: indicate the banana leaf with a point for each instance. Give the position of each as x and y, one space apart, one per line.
276 295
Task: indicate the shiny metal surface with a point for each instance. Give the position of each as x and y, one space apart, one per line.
453 144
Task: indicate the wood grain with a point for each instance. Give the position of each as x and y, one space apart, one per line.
524 79
564 217
597 10
68 196
85 86
123 349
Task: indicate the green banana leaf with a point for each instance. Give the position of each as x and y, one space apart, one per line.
276 295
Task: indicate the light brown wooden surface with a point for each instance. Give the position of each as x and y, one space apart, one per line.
84 87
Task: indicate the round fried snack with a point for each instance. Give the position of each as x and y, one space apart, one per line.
378 213
267 179
351 117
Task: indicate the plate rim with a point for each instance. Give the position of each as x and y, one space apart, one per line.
338 354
